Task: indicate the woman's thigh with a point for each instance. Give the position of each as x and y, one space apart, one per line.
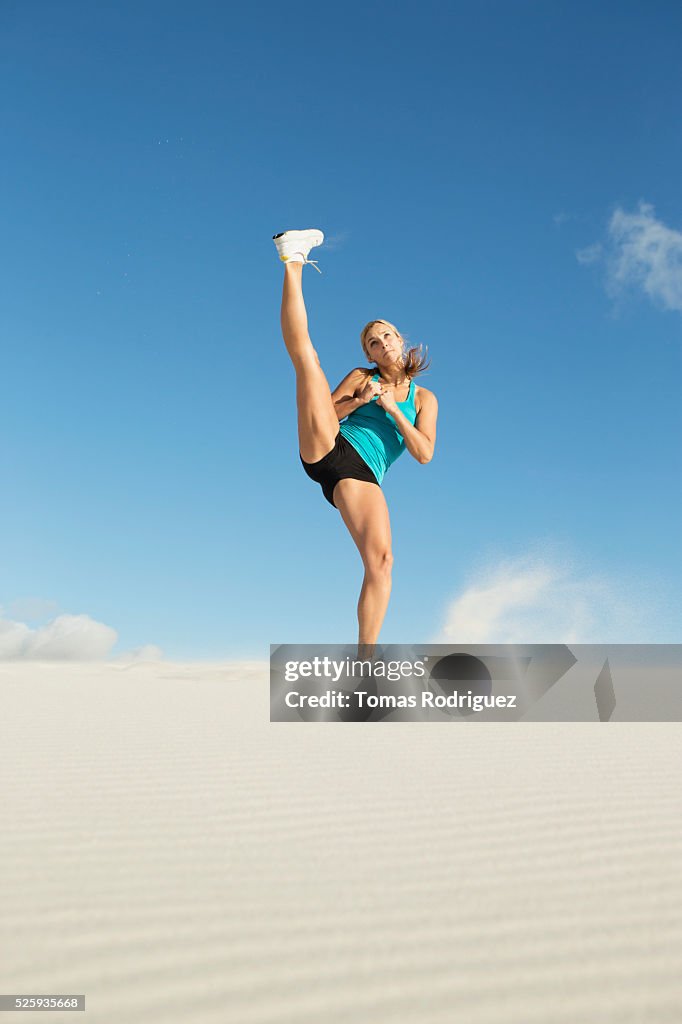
318 423
364 511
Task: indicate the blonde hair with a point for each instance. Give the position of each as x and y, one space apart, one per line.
415 359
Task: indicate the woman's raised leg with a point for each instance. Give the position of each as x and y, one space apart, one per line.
364 511
318 423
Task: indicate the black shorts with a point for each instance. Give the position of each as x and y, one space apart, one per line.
341 463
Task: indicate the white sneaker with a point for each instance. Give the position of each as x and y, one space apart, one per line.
294 246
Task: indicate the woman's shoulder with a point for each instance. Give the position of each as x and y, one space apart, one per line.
354 380
361 374
422 396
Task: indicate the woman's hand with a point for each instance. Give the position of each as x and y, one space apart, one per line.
387 400
371 389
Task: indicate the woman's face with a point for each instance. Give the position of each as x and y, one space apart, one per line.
383 345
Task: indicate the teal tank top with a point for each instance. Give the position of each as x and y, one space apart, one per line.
373 432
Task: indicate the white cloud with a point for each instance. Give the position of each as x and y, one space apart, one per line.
641 253
647 254
541 598
13 636
65 638
590 254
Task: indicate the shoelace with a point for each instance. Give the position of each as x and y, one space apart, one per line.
313 263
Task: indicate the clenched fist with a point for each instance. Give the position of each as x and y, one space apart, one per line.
371 389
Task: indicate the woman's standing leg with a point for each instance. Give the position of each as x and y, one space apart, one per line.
318 423
365 513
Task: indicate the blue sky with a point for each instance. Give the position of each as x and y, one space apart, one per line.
500 180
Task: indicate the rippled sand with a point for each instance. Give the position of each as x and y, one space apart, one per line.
175 856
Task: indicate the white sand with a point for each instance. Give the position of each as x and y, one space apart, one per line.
176 857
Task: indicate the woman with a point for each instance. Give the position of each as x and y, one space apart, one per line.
386 413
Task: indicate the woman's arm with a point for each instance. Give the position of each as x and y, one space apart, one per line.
347 396
420 439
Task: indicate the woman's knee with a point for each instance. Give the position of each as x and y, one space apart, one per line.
379 561
305 356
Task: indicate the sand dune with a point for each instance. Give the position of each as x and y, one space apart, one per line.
175 856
